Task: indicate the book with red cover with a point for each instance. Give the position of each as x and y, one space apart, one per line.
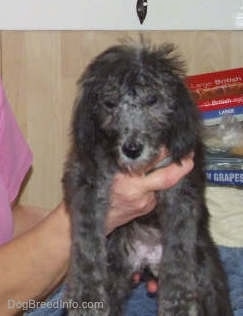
218 93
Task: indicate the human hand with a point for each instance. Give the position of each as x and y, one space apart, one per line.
150 280
134 195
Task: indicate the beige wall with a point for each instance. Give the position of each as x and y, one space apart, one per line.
40 68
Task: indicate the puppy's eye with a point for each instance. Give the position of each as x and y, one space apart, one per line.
110 105
151 100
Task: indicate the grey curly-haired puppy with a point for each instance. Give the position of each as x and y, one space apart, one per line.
132 102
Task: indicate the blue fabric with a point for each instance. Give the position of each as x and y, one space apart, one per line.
140 304
53 306
232 259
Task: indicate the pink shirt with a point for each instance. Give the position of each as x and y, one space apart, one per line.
15 160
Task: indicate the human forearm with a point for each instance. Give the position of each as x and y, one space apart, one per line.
34 263
27 216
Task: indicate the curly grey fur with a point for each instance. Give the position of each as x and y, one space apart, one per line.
132 100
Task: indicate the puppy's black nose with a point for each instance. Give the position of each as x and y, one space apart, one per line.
132 149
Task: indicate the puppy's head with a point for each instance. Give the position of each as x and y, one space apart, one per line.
133 102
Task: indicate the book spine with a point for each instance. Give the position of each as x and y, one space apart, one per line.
225 177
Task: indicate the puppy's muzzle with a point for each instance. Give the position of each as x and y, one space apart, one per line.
132 149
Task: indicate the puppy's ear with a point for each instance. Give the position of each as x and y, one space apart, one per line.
83 127
185 134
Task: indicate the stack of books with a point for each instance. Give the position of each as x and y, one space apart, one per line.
219 96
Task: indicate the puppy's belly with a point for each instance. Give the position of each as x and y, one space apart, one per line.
145 255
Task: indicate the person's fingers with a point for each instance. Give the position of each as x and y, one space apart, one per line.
136 278
164 178
147 203
151 283
163 153
152 286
